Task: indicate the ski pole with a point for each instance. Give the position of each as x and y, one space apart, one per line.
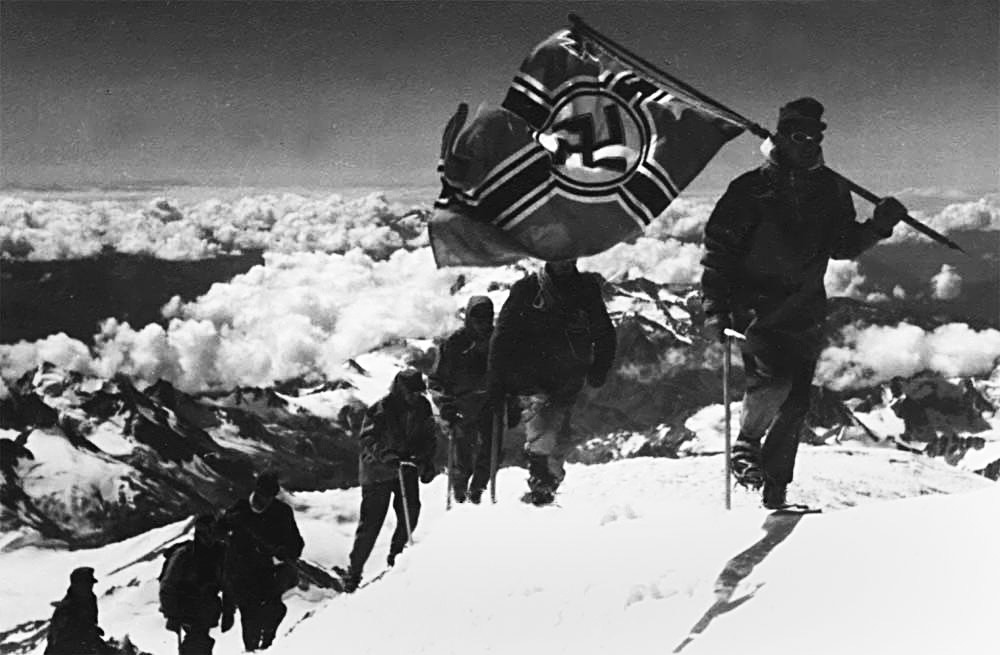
406 503
496 438
726 363
451 463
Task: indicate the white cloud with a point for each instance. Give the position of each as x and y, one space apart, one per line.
947 283
65 352
931 192
878 353
684 219
663 262
982 214
294 315
843 278
63 229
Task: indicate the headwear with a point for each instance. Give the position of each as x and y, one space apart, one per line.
267 483
479 306
804 111
82 574
412 380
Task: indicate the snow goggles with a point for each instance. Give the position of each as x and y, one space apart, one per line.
804 137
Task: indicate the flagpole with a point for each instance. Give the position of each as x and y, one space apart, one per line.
644 66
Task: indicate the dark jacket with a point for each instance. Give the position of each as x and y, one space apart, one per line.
255 541
73 629
552 342
394 430
768 243
191 582
460 374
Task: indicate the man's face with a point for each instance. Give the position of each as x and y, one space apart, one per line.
481 322
800 144
562 268
411 397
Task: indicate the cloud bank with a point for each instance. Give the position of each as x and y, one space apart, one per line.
877 354
298 314
61 229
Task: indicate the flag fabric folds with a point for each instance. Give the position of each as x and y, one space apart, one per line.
582 154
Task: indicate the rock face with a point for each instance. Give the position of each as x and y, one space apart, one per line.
91 461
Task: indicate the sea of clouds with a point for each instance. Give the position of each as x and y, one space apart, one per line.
344 276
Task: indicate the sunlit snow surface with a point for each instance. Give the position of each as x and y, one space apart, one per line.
638 556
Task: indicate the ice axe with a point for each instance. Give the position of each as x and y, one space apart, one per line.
406 503
496 438
727 357
451 462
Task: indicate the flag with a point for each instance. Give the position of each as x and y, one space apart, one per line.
582 154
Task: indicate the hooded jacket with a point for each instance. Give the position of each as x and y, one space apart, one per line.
395 429
768 243
460 374
551 337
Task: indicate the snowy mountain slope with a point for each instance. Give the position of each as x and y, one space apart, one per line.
88 461
640 554
631 556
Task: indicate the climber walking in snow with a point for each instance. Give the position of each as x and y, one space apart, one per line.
767 246
459 381
553 335
398 442
192 589
264 544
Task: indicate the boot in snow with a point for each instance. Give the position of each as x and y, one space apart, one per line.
475 496
745 465
349 578
538 497
774 495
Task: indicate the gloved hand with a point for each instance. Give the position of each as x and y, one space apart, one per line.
173 624
450 413
391 457
716 326
228 619
596 379
888 212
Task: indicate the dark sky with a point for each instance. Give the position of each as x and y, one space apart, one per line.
340 94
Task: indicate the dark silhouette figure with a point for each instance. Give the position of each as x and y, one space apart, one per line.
264 543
